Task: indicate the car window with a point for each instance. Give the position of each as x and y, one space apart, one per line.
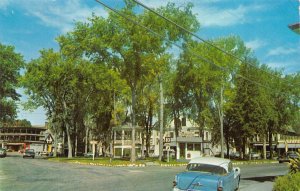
206 168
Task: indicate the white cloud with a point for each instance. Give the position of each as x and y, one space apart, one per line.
4 4
255 44
279 51
289 66
58 14
210 14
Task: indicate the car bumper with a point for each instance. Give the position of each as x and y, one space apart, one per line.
28 156
177 189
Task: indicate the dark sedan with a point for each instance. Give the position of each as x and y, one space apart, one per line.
287 156
2 152
29 153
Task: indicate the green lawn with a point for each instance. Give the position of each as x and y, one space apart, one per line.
105 161
114 162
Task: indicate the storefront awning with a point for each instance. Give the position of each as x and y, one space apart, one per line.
290 146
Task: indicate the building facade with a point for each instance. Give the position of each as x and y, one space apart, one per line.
18 138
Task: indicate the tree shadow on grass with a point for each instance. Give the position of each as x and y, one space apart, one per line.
262 178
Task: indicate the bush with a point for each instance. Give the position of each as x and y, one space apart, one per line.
289 182
295 164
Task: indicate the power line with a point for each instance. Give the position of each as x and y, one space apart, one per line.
201 39
175 44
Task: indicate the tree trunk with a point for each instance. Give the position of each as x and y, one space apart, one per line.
70 148
76 141
228 147
68 129
55 145
133 97
221 122
270 143
264 147
86 139
161 121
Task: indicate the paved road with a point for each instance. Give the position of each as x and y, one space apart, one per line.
18 174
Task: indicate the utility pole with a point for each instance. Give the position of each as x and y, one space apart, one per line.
161 121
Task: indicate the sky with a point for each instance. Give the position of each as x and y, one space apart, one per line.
33 25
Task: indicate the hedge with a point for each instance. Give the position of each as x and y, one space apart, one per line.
289 182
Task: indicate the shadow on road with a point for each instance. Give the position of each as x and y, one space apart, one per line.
261 179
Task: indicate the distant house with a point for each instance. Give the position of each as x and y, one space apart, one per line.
189 144
122 140
288 141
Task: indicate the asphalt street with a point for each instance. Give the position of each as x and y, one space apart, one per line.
18 174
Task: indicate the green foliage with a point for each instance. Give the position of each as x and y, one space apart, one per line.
289 182
10 65
295 165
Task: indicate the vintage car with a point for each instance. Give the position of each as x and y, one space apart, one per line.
287 156
2 152
29 153
208 174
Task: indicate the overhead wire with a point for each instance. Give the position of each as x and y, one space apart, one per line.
175 44
201 39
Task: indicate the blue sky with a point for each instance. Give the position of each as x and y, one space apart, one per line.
31 25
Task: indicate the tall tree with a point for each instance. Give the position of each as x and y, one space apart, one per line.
130 49
10 65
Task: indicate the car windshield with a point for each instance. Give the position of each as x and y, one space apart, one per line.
29 150
206 168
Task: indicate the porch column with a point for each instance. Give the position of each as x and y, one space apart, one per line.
177 151
122 150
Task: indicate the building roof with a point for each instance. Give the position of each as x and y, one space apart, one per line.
190 139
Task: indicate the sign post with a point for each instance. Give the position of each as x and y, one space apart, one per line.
168 152
93 146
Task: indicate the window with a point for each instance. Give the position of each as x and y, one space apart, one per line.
127 135
197 147
172 134
190 146
206 168
206 135
118 135
230 167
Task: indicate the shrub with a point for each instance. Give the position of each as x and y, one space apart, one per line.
289 182
295 164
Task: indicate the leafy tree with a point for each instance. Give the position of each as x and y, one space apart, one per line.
127 48
10 65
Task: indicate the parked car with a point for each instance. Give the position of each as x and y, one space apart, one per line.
207 174
90 154
255 155
2 152
29 153
287 156
235 155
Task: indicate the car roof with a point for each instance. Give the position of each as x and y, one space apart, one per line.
212 161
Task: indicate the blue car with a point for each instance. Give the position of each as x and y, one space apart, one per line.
208 174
